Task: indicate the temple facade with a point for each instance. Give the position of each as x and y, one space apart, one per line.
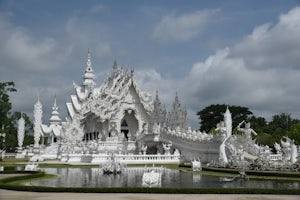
117 121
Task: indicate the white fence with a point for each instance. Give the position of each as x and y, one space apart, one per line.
275 157
126 159
7 155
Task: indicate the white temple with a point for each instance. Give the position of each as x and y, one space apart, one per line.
117 119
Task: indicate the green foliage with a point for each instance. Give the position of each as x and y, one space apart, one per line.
265 139
5 104
268 132
272 174
9 121
259 124
213 114
294 133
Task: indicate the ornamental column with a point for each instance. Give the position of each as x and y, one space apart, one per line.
38 113
21 134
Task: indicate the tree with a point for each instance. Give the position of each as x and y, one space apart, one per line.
8 121
5 104
294 133
281 125
265 139
259 124
213 114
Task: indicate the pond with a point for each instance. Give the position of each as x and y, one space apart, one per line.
132 177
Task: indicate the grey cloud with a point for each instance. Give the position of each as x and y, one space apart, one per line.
182 27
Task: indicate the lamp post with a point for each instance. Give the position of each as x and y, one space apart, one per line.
3 142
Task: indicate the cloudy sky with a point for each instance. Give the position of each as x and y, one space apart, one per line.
244 53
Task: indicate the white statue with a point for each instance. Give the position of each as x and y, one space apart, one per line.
294 152
221 127
225 129
156 128
277 148
247 130
21 131
286 148
144 149
167 147
176 152
222 154
151 179
196 165
240 154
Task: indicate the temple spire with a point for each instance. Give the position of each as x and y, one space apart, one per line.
115 65
88 77
55 119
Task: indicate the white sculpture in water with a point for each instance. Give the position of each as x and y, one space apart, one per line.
21 131
38 113
196 165
151 179
32 166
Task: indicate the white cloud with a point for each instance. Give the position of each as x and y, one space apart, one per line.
150 80
274 46
260 72
22 52
182 27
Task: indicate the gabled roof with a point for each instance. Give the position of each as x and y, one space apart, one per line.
105 101
112 93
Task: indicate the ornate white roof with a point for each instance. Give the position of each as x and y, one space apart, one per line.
106 100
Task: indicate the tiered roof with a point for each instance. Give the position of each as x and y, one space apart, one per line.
105 101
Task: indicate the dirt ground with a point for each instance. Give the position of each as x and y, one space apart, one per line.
16 195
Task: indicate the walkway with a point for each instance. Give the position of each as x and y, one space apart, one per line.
15 195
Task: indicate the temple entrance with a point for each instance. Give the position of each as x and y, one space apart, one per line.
124 128
129 125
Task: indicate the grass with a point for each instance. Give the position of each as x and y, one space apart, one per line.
28 181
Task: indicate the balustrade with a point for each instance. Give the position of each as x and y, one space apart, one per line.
128 159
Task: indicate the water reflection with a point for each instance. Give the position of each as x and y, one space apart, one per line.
132 177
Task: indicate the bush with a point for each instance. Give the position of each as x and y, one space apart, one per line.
155 190
255 173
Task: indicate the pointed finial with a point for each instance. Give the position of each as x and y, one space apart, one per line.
55 101
115 66
176 96
88 62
